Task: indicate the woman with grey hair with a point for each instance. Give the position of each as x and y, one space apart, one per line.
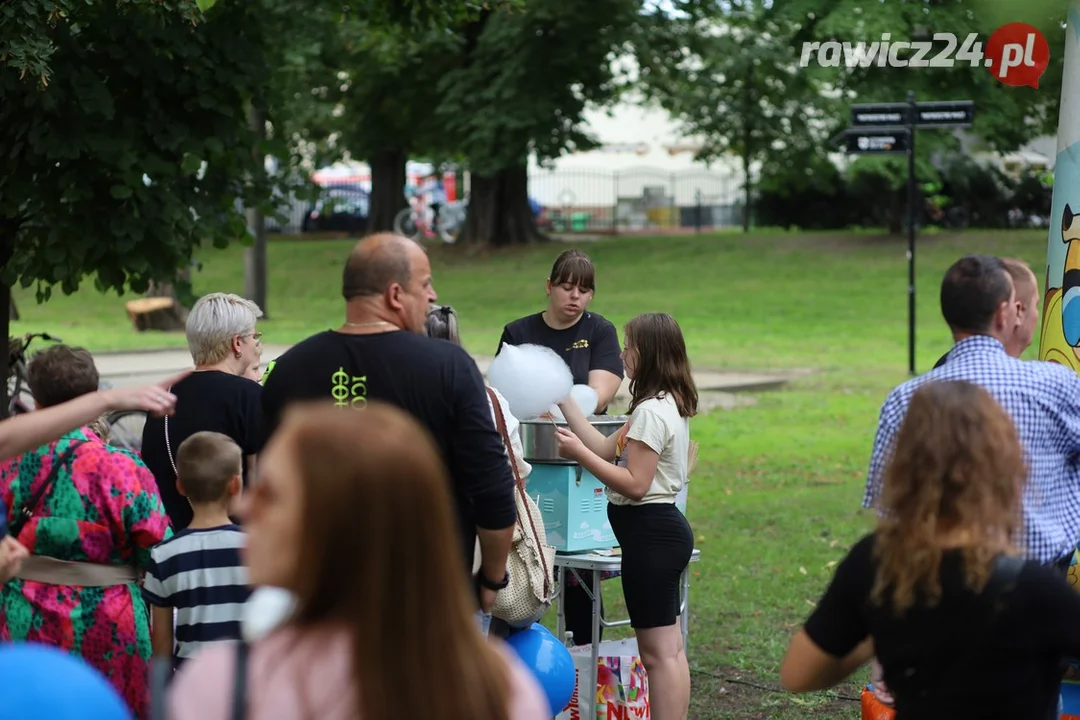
218 396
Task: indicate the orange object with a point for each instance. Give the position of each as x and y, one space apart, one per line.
874 709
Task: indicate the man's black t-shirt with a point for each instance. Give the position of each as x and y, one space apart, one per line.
435 381
972 655
205 400
941 361
589 344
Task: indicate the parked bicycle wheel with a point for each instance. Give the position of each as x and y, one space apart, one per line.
405 224
126 429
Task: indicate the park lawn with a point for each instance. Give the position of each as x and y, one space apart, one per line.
775 501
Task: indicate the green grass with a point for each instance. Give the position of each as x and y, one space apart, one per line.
775 502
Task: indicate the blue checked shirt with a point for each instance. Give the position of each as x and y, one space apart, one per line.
1043 400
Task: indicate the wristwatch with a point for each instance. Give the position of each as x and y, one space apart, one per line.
484 582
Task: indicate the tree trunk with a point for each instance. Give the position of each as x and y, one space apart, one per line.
8 228
748 190
13 313
387 189
170 318
499 212
255 256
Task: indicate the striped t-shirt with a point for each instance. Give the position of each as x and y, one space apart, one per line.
199 572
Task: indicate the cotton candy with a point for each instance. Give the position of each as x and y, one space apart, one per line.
586 399
531 378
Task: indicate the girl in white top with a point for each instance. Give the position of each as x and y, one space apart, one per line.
644 467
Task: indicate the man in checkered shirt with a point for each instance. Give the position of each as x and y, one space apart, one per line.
1043 399
978 301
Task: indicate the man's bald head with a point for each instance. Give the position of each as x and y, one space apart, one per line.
376 263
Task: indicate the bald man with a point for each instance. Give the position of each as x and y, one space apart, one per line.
1027 309
381 352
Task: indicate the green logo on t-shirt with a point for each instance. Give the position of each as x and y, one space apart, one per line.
348 390
269 368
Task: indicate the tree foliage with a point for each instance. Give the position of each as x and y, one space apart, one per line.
134 153
521 87
727 71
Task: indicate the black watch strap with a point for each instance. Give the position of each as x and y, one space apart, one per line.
485 582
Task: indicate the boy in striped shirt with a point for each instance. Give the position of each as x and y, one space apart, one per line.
198 571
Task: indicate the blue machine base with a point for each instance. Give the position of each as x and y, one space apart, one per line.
574 507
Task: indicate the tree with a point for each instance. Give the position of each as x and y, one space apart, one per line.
385 83
727 72
132 151
523 82
1005 117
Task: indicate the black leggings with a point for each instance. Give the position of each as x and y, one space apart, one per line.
656 542
578 609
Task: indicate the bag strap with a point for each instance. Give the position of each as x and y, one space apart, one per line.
27 510
239 704
500 421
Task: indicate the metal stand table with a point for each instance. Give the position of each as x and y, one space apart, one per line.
599 561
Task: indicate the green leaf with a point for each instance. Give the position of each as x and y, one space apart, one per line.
205 5
190 164
120 192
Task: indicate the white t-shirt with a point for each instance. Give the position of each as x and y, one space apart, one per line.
656 422
513 430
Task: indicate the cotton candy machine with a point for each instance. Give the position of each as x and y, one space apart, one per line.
571 500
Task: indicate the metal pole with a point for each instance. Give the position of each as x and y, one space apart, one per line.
912 214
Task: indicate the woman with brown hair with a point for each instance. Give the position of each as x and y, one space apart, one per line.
645 467
962 626
384 625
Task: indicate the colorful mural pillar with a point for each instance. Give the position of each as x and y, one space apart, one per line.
1060 341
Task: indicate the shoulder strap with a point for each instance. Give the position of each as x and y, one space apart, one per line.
500 421
27 510
168 443
239 704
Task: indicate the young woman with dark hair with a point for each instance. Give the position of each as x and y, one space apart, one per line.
645 466
589 344
962 626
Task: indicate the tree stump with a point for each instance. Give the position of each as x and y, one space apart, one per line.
156 313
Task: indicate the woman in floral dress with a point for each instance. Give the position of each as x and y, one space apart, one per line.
100 515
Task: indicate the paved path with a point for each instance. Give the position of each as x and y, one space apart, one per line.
135 368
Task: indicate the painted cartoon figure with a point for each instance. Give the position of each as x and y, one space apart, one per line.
1061 316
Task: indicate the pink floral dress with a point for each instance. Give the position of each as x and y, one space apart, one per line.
102 508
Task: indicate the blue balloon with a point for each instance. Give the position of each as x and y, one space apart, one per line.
43 682
550 663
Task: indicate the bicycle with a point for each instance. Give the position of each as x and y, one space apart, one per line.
20 399
415 221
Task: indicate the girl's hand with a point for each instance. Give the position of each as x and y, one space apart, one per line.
570 445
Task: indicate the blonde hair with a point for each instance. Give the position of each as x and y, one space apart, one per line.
214 321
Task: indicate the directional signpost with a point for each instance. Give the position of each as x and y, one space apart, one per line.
889 128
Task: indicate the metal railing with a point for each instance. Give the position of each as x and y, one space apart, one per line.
632 200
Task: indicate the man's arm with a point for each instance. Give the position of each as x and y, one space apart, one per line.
887 428
23 433
480 465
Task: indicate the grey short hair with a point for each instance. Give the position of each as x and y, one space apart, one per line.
214 321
